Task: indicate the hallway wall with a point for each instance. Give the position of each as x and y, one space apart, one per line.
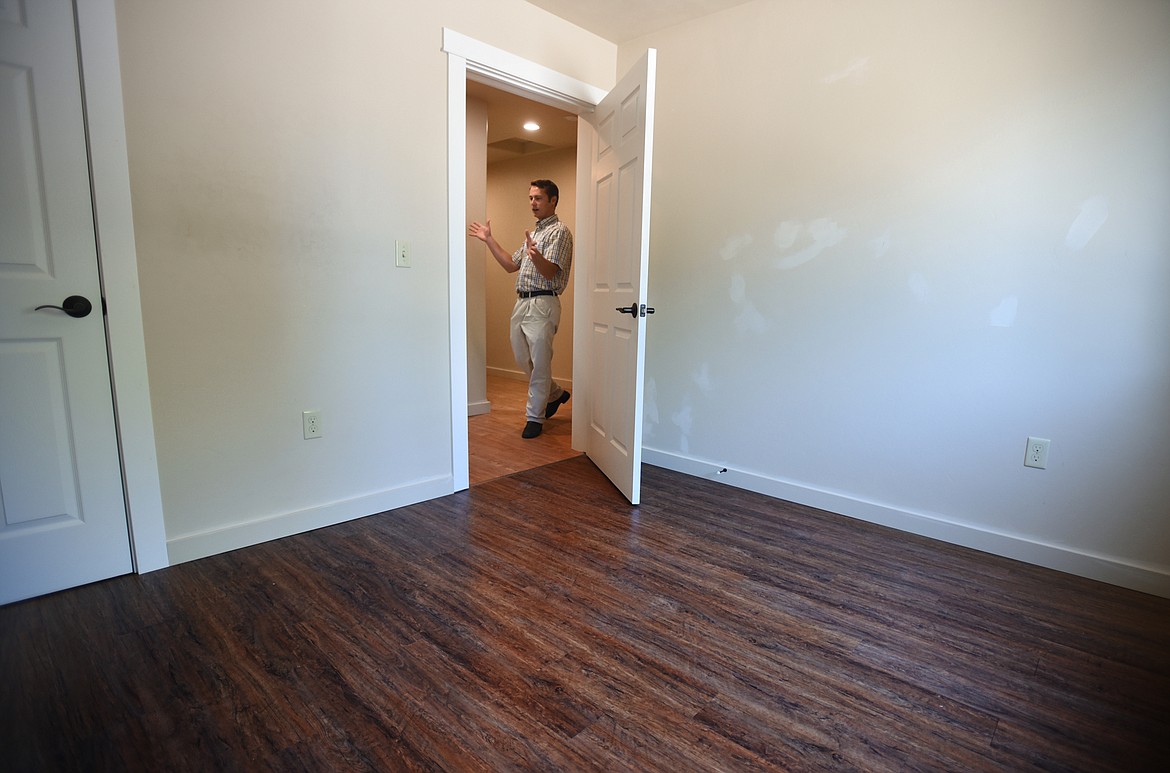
508 210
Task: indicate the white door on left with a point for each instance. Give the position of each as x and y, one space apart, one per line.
62 511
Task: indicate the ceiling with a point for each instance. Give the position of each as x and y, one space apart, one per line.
620 20
507 114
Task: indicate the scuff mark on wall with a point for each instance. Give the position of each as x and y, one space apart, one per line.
856 72
881 245
825 233
786 234
1094 213
649 408
683 420
702 378
734 246
749 319
1004 315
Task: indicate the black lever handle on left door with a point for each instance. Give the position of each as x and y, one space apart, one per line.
76 306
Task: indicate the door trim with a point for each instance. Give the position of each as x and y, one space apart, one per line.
470 58
118 266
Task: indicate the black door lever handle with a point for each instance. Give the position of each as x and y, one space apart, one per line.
634 309
76 306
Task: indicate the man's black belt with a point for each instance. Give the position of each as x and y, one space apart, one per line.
534 293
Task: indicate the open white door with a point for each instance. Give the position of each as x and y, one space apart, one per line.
62 512
610 343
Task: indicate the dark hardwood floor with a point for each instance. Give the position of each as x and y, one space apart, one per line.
538 622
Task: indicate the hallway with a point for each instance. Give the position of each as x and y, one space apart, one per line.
494 444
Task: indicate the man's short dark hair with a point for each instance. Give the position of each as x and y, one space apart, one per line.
549 187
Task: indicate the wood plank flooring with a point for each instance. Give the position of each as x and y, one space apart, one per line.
495 447
539 622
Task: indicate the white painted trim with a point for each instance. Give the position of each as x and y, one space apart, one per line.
479 407
189 547
467 57
508 72
582 327
1147 578
457 264
102 86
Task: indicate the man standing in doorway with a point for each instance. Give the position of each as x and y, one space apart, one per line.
543 263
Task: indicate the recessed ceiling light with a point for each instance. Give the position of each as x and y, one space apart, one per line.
532 126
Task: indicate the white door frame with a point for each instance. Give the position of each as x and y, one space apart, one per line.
118 264
469 58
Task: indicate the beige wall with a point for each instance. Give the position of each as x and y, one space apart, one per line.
892 240
277 151
507 207
889 242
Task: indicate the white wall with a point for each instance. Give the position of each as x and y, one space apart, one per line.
889 242
892 240
507 206
277 150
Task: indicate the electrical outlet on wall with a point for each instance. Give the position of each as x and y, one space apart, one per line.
1036 454
312 424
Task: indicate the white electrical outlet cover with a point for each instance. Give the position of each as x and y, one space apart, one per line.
1036 453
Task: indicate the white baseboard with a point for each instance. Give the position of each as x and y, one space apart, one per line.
479 407
518 375
189 547
1109 569
510 373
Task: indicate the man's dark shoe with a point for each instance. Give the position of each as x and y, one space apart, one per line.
532 429
551 408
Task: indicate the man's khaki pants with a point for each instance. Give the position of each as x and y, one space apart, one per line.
534 323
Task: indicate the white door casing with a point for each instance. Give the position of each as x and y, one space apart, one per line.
620 157
63 512
469 58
